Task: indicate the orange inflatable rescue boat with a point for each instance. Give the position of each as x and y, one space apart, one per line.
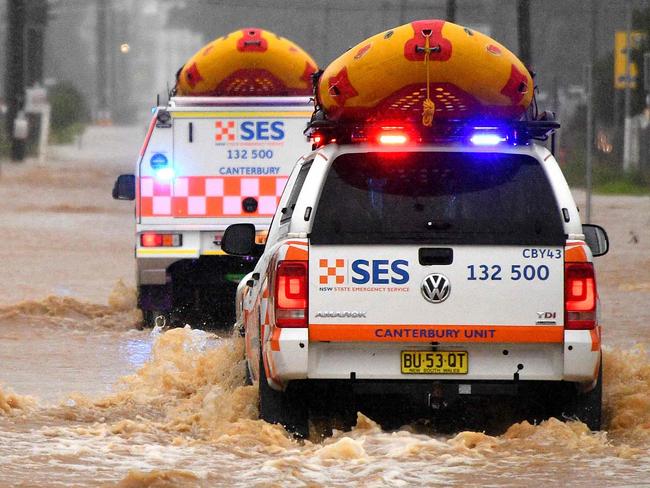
247 62
428 69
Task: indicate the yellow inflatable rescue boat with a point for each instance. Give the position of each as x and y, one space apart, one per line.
429 69
247 62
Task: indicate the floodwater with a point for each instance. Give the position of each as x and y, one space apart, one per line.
87 399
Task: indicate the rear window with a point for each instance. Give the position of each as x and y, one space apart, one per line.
438 198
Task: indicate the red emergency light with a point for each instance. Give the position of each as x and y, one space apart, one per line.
393 138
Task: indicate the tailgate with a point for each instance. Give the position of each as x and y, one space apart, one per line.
454 293
227 164
437 246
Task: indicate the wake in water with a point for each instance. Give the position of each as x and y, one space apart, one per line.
194 385
120 313
626 377
186 418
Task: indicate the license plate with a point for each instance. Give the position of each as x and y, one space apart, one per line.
434 362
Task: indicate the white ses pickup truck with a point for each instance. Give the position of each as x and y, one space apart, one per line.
433 267
207 162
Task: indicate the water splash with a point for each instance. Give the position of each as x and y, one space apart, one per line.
55 310
11 403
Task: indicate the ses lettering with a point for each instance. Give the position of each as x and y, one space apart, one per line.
380 272
262 130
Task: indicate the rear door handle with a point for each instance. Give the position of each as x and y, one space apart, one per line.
429 256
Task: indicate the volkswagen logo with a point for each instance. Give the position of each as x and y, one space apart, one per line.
436 288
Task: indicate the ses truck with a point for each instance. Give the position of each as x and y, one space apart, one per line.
205 164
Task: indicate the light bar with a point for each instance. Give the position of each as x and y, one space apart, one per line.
487 139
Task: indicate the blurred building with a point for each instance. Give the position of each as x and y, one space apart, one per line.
162 34
141 52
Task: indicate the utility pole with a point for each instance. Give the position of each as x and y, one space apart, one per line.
451 10
102 59
523 31
589 74
593 53
15 74
35 25
627 121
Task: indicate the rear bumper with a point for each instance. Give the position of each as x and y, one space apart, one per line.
153 262
292 357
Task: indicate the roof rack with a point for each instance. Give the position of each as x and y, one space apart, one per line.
516 132
237 101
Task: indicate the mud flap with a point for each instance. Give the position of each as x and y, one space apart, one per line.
287 408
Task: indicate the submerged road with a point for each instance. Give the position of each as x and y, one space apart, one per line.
86 399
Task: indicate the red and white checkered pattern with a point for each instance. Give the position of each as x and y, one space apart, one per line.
226 131
208 196
333 272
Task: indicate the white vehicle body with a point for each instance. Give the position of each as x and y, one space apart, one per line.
505 318
227 160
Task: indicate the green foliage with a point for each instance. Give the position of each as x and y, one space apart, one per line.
69 112
66 135
4 140
630 184
607 176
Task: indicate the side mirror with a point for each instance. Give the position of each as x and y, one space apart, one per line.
596 238
124 188
239 240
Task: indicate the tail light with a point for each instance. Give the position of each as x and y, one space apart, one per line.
291 298
580 296
153 239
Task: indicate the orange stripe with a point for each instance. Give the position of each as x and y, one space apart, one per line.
271 369
297 254
265 363
440 333
595 339
275 339
575 254
143 149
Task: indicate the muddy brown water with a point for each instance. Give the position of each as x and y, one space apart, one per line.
86 399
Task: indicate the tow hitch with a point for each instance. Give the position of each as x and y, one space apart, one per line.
442 395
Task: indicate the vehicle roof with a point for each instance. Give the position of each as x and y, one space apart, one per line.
325 155
206 102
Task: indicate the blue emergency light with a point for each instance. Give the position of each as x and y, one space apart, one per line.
486 139
165 173
160 164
